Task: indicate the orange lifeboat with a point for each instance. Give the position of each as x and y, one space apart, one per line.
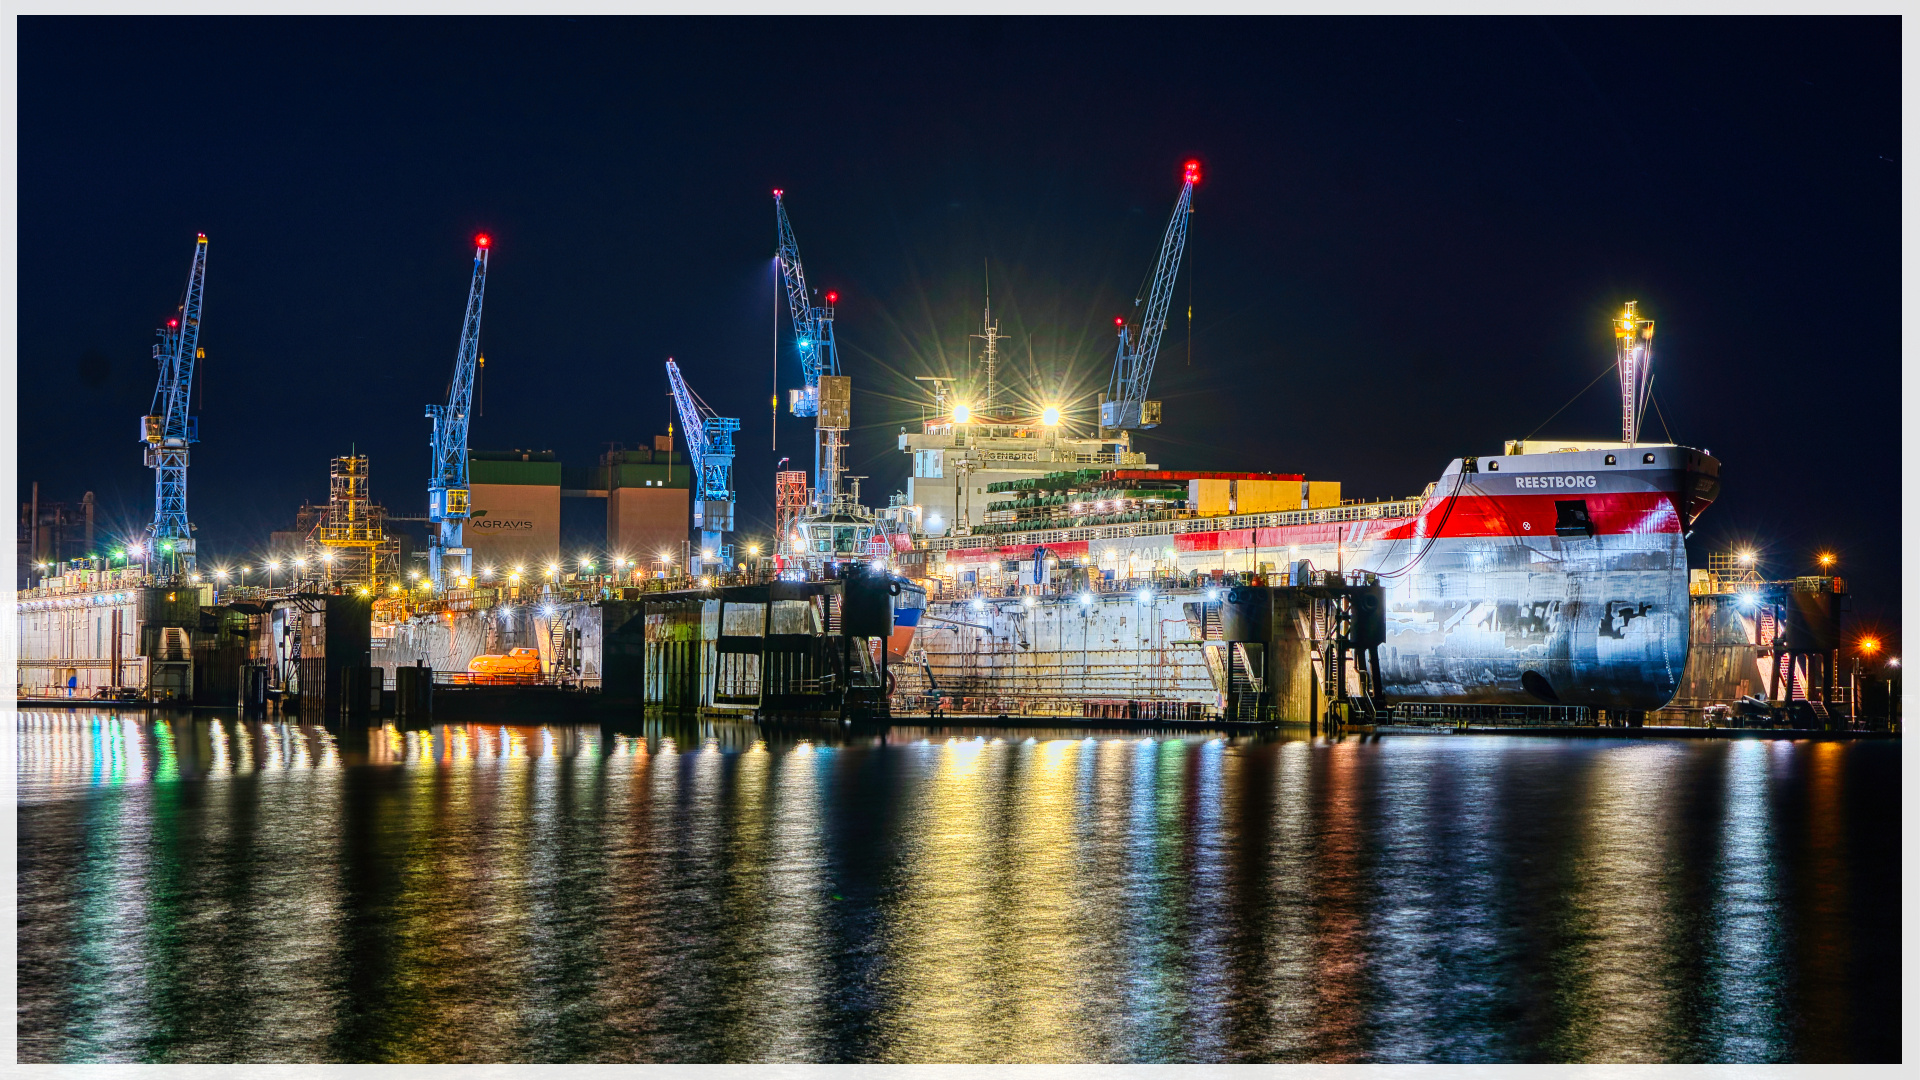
517 665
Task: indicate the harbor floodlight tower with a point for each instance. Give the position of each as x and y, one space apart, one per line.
826 394
169 428
1633 345
710 449
449 560
1125 405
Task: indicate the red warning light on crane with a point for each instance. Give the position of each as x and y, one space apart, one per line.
483 240
833 297
1119 320
173 322
777 193
1193 172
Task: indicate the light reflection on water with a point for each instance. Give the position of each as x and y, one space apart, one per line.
228 890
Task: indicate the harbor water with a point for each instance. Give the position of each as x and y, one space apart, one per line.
198 890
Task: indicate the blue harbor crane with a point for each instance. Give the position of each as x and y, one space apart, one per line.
168 430
710 448
449 560
1125 404
819 358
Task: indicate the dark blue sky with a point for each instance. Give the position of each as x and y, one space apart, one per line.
1406 247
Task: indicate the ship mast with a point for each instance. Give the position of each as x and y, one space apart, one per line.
1633 342
989 332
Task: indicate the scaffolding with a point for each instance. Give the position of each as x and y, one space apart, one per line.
1727 572
790 499
349 542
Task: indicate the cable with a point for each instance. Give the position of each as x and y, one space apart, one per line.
1458 483
1571 400
776 354
1658 413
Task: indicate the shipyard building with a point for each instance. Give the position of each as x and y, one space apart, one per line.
517 499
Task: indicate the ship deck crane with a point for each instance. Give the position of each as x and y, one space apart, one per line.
819 359
710 449
449 560
169 429
1126 405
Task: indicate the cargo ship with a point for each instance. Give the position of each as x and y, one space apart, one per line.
1069 574
1549 575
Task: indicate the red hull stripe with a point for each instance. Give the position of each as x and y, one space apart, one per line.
1636 513
1074 550
1620 513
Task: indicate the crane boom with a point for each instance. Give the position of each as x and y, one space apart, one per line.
448 493
1127 405
170 428
812 324
710 450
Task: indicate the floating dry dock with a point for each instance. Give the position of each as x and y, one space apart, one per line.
766 648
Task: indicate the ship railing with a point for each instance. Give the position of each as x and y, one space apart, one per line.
958 701
130 581
490 678
1178 522
1058 589
1436 714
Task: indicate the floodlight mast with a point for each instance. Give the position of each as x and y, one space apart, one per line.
1127 405
449 495
1633 347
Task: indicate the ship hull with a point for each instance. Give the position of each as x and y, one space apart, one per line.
1550 579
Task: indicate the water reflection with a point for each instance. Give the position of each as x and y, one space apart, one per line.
243 890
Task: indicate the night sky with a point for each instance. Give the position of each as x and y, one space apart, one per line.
1406 247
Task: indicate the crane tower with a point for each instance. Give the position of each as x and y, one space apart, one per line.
169 429
826 393
710 449
449 560
1126 404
